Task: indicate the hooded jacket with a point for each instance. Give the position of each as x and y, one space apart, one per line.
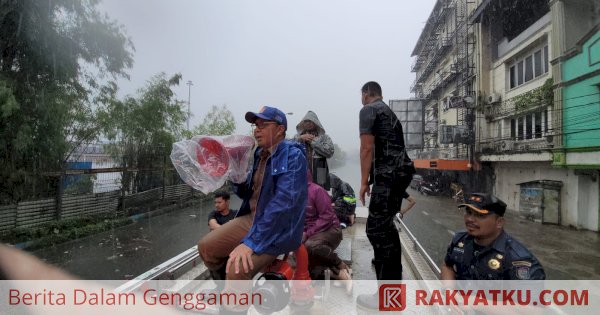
279 220
342 196
319 216
321 148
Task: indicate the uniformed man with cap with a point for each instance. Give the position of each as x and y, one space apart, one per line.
485 251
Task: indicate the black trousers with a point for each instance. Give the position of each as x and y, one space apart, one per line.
386 200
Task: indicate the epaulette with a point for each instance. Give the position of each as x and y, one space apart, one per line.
517 250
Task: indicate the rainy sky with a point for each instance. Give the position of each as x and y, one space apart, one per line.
294 55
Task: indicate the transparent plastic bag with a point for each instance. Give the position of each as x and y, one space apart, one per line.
206 162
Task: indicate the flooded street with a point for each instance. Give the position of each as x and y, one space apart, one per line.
128 251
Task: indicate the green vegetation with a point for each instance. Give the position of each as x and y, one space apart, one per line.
218 121
62 231
142 130
58 61
544 95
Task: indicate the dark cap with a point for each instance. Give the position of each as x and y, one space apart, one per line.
268 113
484 203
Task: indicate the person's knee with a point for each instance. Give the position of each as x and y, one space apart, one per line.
203 244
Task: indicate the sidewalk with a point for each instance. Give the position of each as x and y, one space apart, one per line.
565 253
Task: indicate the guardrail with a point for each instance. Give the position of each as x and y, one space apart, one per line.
417 246
166 270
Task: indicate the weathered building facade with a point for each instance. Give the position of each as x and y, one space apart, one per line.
520 84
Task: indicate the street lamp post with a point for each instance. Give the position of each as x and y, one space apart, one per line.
189 83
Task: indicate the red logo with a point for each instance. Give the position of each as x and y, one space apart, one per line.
392 297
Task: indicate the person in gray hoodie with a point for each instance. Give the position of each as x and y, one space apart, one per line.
318 146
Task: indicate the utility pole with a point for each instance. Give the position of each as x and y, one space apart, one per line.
189 83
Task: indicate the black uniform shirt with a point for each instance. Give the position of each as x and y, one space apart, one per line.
222 219
504 259
379 120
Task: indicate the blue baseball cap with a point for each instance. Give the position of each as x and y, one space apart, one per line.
268 113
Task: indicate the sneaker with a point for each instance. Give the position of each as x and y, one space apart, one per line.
343 225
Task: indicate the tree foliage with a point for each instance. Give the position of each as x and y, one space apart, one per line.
142 129
218 121
55 57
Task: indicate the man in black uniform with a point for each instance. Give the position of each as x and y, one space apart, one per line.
383 161
485 251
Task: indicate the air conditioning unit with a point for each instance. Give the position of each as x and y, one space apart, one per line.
494 98
446 134
507 145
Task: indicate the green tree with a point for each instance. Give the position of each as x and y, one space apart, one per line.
217 122
142 130
55 57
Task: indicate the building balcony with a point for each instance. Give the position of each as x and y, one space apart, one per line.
510 146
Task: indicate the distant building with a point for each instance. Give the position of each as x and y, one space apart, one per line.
96 157
445 83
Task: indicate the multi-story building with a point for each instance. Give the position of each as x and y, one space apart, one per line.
521 119
577 88
445 83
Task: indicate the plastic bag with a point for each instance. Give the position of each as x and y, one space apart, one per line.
206 162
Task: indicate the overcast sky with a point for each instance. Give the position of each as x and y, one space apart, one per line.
294 55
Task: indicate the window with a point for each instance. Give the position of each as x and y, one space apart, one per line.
520 73
545 121
545 59
529 67
538 125
530 126
513 77
513 128
528 133
537 59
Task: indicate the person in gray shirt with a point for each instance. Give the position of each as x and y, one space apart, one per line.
319 148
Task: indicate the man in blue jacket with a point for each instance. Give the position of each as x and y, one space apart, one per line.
271 219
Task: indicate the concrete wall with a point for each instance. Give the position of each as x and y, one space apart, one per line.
587 202
579 194
500 68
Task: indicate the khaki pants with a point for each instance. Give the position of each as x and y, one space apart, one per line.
215 247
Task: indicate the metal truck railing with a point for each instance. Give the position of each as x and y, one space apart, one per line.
417 248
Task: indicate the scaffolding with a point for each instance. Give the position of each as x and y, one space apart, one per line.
436 45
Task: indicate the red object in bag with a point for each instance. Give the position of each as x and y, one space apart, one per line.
212 156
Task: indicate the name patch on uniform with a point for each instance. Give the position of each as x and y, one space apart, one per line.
523 273
460 250
523 263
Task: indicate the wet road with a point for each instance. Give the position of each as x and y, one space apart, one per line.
564 253
128 251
